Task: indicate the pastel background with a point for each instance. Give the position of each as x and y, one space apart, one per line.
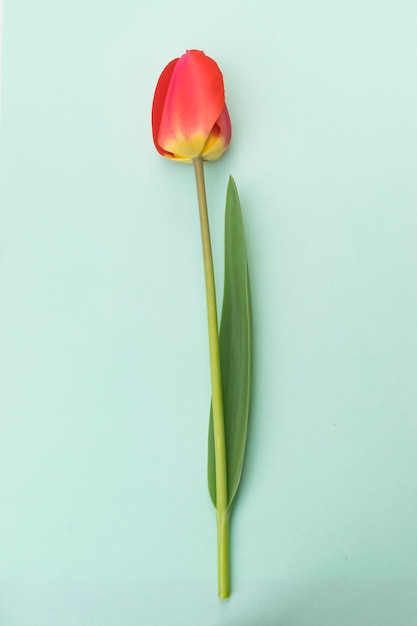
105 515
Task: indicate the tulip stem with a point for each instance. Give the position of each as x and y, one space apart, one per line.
216 387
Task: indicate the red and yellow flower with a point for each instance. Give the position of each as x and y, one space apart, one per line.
189 114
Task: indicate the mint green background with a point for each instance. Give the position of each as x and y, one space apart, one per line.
105 515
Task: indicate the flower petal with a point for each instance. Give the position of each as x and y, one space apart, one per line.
159 101
219 138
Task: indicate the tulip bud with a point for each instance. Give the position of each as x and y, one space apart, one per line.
189 114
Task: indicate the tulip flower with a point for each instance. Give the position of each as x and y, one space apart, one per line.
189 115
191 124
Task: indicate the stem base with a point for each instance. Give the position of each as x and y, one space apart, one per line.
223 553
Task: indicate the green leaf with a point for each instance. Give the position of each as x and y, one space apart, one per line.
235 341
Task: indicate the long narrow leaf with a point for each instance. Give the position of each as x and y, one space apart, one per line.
235 349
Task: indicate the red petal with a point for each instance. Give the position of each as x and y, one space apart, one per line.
219 139
159 101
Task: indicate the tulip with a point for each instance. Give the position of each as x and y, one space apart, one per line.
190 123
189 114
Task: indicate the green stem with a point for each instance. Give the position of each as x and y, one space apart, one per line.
223 551
216 387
